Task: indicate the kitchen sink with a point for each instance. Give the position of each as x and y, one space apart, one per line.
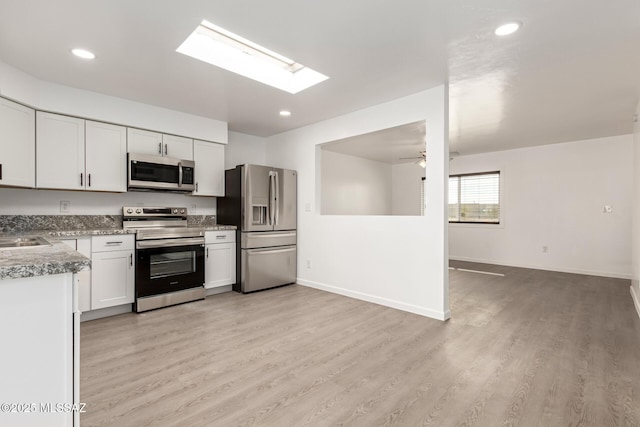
22 242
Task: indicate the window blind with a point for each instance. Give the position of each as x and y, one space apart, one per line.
475 198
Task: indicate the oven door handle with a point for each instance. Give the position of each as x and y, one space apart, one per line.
165 243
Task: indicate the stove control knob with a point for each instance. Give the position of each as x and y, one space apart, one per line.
175 211
182 211
138 211
129 211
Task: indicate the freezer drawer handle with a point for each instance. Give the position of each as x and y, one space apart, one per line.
269 236
272 251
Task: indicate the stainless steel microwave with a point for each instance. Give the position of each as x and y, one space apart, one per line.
147 172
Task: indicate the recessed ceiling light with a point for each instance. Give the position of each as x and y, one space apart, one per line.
82 53
224 49
285 113
508 28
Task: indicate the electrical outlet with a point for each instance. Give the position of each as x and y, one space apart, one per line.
308 263
307 207
545 249
192 211
607 209
65 206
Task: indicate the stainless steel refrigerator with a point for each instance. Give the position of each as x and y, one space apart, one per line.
261 202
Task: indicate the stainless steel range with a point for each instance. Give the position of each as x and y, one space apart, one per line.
169 256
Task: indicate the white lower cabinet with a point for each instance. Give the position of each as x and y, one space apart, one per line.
220 258
112 270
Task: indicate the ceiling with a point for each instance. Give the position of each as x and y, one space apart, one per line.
572 72
399 144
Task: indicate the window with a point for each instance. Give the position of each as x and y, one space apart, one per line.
475 198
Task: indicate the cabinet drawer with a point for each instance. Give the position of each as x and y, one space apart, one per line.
226 236
115 242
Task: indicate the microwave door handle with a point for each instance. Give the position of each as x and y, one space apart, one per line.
179 174
277 199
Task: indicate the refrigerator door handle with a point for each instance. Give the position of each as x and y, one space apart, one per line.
271 196
277 198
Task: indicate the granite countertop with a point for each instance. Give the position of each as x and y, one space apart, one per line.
57 258
41 261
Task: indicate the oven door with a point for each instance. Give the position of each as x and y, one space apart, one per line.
164 269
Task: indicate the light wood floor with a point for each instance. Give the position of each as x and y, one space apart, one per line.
532 348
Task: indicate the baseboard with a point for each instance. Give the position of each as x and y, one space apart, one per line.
434 314
545 268
218 290
636 299
106 312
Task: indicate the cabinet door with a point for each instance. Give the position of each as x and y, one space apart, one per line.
17 145
177 147
59 152
112 278
144 142
220 265
209 171
106 157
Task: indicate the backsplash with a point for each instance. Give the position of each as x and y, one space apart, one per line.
29 223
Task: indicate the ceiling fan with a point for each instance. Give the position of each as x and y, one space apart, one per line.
422 158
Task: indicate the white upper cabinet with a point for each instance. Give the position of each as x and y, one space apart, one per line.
209 170
158 144
60 152
106 157
177 147
17 145
144 142
65 145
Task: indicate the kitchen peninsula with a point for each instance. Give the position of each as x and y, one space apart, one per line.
39 327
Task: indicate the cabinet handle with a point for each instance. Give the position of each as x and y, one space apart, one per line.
196 184
89 179
114 243
130 260
165 149
159 147
207 252
0 170
81 176
221 237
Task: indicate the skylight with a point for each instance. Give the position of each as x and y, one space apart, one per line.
222 48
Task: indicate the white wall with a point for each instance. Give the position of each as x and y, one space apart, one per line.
397 261
553 195
243 148
635 235
56 98
353 185
406 183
